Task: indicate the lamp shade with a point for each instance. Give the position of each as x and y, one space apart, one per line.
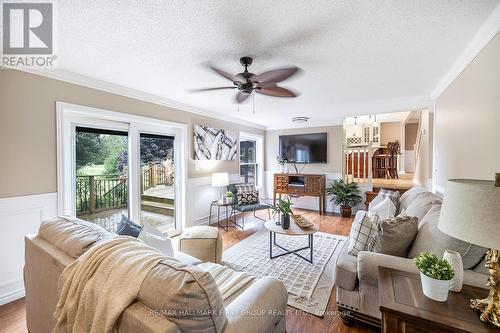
220 179
471 212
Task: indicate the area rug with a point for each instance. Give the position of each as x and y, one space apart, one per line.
309 285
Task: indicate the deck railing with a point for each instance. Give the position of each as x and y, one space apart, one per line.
99 193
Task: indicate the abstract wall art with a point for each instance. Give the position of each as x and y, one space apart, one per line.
214 143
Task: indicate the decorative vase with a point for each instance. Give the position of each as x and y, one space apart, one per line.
285 221
282 168
435 289
455 260
345 211
286 168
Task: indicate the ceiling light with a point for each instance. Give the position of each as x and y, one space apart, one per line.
300 120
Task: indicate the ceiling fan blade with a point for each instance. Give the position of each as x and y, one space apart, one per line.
275 75
210 89
241 97
275 91
228 76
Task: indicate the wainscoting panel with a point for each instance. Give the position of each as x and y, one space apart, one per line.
19 216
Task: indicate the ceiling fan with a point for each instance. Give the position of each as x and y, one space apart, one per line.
247 82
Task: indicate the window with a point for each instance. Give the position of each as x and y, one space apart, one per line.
248 162
376 136
251 157
366 134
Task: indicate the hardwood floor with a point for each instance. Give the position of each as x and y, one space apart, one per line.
13 315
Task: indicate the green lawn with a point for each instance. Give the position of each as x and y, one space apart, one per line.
93 170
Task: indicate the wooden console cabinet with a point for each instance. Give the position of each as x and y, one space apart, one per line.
300 185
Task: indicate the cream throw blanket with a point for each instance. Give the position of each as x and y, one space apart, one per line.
101 284
228 281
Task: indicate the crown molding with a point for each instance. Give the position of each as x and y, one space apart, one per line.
483 36
85 81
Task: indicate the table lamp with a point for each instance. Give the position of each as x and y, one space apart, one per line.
471 213
221 180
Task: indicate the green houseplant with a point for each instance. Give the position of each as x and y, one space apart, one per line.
346 195
435 275
283 207
282 163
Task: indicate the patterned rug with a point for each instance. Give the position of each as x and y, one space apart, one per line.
299 276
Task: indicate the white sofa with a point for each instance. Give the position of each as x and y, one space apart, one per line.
356 277
57 246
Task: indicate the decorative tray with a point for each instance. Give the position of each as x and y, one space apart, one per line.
302 221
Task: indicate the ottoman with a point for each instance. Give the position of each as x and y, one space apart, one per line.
202 242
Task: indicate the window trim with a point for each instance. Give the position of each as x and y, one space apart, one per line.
259 156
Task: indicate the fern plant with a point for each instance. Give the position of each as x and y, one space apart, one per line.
434 267
344 194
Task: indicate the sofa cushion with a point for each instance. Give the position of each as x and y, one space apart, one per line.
421 204
394 236
186 295
346 269
72 235
361 230
244 188
431 239
407 197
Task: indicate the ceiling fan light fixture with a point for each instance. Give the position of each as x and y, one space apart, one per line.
300 120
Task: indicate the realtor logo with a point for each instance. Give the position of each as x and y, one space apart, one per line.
27 28
28 35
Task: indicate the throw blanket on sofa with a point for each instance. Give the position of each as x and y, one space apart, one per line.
228 281
101 283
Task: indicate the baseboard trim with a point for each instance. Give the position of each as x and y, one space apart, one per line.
12 291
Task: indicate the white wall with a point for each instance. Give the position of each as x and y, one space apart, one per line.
467 121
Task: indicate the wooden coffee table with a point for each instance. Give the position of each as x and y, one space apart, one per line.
294 230
406 309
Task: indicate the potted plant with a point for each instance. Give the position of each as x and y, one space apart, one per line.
283 164
435 275
283 207
229 196
346 195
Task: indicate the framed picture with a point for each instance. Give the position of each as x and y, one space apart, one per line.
214 143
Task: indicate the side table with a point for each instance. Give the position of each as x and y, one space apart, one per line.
228 205
405 308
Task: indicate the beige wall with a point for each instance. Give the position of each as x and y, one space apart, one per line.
389 132
467 121
410 135
28 129
334 156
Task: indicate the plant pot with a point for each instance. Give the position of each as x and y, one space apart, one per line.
285 221
282 168
345 211
435 289
286 168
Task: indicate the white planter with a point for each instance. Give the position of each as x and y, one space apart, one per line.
455 260
282 168
435 289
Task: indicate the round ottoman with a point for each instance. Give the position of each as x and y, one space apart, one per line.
202 242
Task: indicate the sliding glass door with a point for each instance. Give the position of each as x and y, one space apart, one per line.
126 170
101 160
157 180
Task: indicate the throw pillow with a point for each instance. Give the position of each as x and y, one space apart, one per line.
244 188
248 198
384 210
128 228
162 244
361 231
393 195
394 236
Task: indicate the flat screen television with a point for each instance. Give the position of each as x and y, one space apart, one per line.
304 148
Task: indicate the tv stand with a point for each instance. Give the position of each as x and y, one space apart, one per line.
311 185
